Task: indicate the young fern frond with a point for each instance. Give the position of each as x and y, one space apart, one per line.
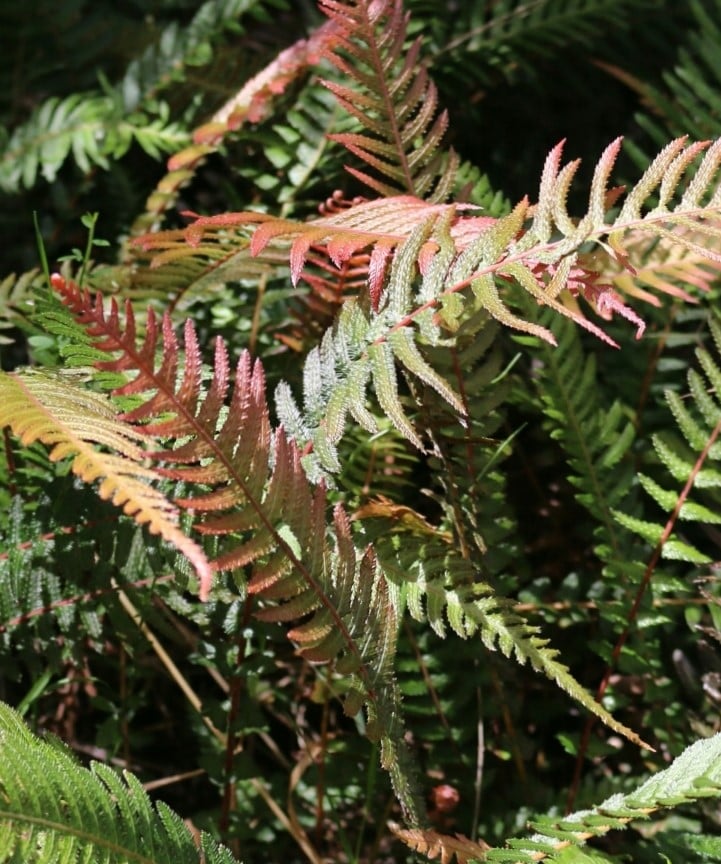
692 776
462 261
52 809
392 97
360 350
246 486
690 459
73 421
541 249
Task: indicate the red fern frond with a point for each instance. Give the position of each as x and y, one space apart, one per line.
391 96
255 495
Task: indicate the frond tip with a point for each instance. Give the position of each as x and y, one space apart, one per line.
75 423
392 97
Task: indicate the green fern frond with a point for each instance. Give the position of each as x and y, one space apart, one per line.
98 127
52 809
693 775
595 437
446 581
180 49
477 609
689 104
691 460
509 35
466 458
299 151
392 97
376 467
93 127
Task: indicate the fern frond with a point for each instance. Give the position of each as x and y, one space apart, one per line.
52 809
98 127
463 261
170 268
360 350
441 587
167 266
510 35
541 249
690 459
445 589
465 458
477 609
392 98
689 103
166 61
693 775
93 127
247 487
73 421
